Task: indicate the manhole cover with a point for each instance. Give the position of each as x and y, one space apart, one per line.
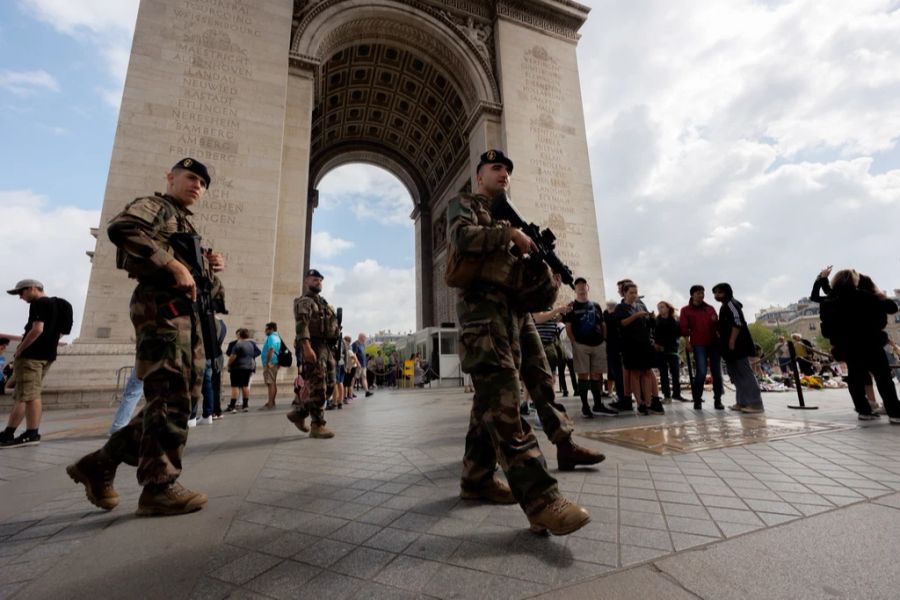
693 436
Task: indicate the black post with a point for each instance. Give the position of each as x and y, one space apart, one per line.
799 386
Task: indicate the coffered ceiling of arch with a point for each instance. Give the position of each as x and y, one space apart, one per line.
380 96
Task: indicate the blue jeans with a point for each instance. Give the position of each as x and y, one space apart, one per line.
702 354
134 389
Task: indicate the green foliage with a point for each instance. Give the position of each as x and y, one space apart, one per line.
764 336
823 343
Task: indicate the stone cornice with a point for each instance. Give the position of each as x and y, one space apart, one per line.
560 18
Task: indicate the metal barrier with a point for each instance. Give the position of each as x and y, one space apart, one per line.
122 375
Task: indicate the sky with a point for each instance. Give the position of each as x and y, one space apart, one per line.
744 141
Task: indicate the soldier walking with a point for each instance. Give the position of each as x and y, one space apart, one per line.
170 359
318 331
497 339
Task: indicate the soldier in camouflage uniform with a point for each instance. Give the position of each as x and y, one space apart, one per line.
169 359
498 340
317 333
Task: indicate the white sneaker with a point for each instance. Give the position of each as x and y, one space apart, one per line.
192 422
205 420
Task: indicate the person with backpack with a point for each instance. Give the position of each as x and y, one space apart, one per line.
584 326
271 351
48 320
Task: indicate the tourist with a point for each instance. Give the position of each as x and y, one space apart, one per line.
567 364
638 356
698 324
362 373
584 325
270 351
48 320
614 359
736 347
666 334
853 320
131 395
241 365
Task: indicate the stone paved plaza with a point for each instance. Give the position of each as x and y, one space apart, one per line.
374 513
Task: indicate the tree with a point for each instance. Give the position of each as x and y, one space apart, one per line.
763 336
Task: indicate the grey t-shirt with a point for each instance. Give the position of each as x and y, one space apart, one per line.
245 353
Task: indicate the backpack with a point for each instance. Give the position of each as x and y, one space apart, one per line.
64 317
285 358
587 325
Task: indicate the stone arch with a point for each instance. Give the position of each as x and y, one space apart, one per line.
462 49
395 165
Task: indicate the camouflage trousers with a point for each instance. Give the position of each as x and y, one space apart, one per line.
496 344
318 383
170 361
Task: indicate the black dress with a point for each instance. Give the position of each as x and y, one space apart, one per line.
637 348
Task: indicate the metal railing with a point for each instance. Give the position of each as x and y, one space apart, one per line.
122 375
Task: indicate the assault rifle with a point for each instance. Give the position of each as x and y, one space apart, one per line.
186 246
339 344
544 239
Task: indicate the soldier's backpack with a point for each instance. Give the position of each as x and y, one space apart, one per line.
285 358
64 317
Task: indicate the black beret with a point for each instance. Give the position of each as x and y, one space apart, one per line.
314 273
194 166
579 280
495 156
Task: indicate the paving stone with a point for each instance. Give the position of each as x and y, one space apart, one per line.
208 588
508 588
363 562
626 494
632 555
593 551
245 568
392 540
607 532
482 557
648 538
639 519
458 583
324 552
734 516
696 526
415 522
693 511
355 532
377 591
433 547
287 580
380 516
723 502
408 572
333 586
772 519
683 541
772 507
680 497
650 506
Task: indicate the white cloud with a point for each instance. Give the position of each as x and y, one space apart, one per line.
47 243
371 193
735 140
326 246
28 83
106 24
374 297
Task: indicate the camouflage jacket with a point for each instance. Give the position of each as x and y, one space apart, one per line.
477 237
315 319
141 234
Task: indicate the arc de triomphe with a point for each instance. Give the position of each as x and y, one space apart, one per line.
273 94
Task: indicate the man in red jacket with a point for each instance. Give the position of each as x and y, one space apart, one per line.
698 324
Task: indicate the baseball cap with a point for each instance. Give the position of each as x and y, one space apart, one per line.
24 284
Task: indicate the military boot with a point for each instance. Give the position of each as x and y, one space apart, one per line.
495 491
96 472
569 455
560 517
298 420
321 432
169 499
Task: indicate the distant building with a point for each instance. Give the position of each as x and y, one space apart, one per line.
803 317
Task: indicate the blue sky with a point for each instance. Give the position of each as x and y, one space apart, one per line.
740 140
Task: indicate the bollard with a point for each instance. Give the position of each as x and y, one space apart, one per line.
796 373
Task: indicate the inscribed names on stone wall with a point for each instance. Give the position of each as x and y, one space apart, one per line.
541 86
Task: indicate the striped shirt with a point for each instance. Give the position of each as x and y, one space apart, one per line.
548 330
